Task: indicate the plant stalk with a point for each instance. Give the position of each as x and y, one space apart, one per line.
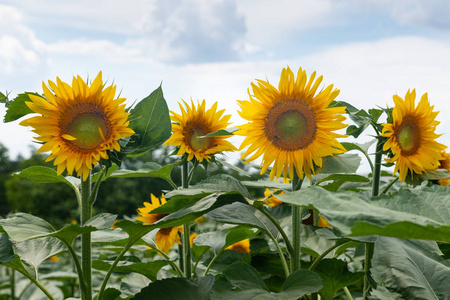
187 264
86 213
13 284
296 226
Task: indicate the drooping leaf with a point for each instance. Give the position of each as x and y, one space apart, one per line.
17 107
148 269
222 183
410 270
22 226
150 121
178 288
415 214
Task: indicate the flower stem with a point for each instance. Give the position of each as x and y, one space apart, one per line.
13 284
86 212
296 226
187 268
77 266
389 186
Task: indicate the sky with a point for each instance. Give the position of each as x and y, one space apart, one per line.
213 50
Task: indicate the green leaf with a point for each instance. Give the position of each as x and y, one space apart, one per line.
343 163
6 249
40 174
222 183
180 199
410 270
17 108
147 170
133 283
150 121
335 275
314 244
110 170
364 148
219 240
178 288
35 251
223 132
241 281
340 179
262 183
243 214
198 209
111 294
22 226
232 167
148 269
382 293
415 214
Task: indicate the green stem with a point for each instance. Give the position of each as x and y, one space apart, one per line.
367 264
377 170
347 292
77 266
278 226
389 186
111 269
13 284
296 226
38 284
187 267
86 212
280 252
212 261
318 259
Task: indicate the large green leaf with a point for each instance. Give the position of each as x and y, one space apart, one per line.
244 214
335 275
343 163
17 108
339 179
148 170
150 121
406 268
241 281
22 226
415 214
148 269
222 183
219 240
178 288
35 251
40 174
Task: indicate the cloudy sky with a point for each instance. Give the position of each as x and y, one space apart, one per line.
213 50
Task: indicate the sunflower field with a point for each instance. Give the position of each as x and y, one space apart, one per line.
308 227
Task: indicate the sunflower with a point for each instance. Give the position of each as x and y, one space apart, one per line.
291 127
78 123
192 125
445 162
411 136
241 246
272 200
165 238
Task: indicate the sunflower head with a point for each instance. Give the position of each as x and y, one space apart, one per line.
189 130
79 124
411 136
291 127
165 238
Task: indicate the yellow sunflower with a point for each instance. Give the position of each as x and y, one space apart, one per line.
292 126
241 246
78 123
445 162
192 125
272 201
165 238
411 136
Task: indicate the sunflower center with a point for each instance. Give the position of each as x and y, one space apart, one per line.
196 139
291 125
408 137
86 122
